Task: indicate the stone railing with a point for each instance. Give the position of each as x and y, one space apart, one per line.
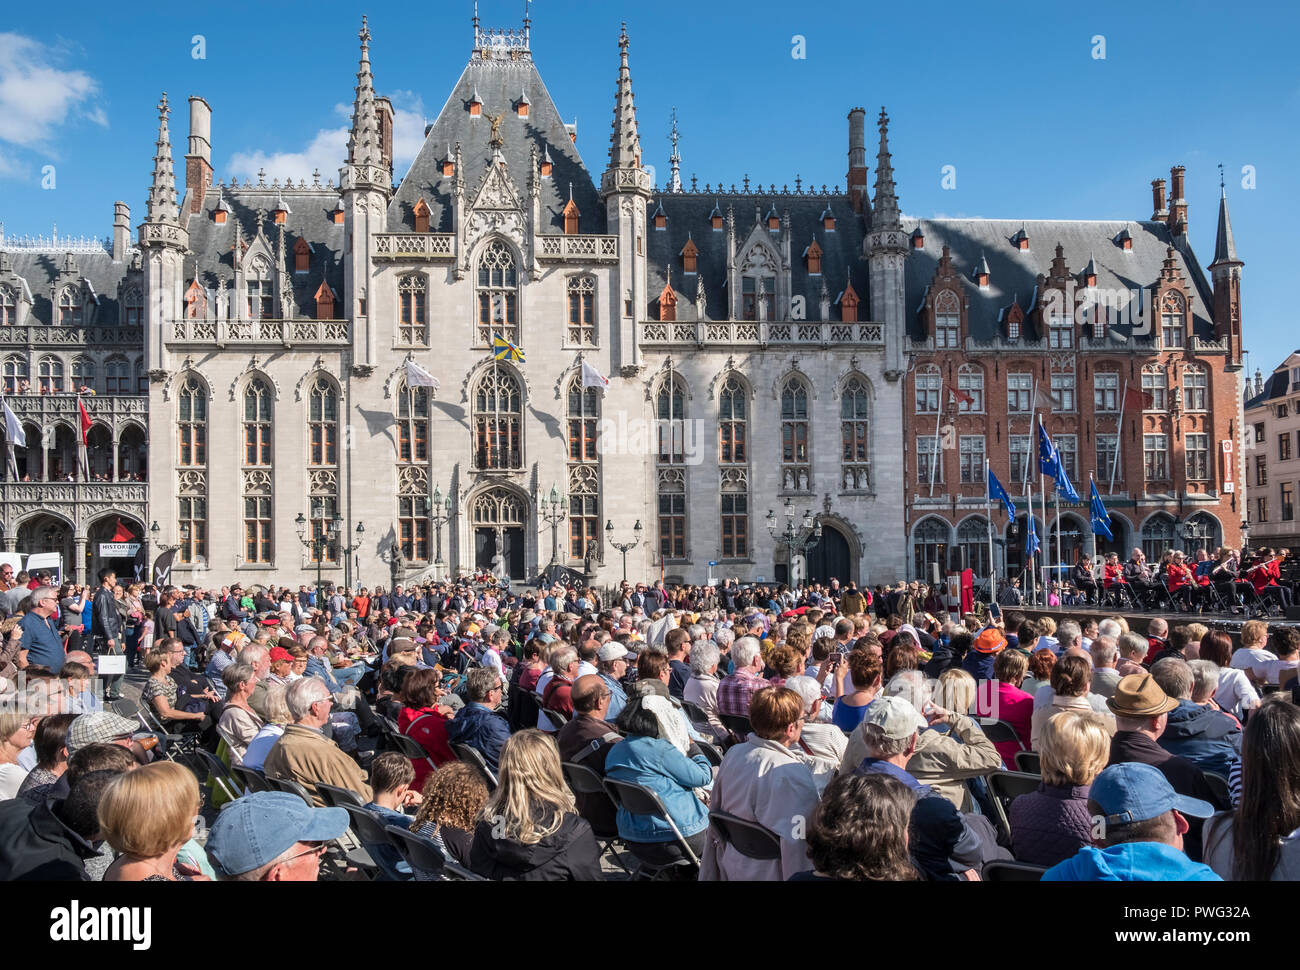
825 333
286 333
82 504
578 249
415 245
45 408
123 337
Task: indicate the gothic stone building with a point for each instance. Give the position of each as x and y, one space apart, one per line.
1010 321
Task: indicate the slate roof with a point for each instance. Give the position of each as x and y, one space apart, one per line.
1013 272
310 216
38 268
689 213
499 82
1276 385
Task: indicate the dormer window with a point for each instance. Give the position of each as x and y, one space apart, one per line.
814 256
1125 240
449 162
547 166
421 214
133 307
715 217
1171 321
570 215
338 213
1015 318
8 306
773 220
324 302
1021 240
918 238
756 291
828 220
981 274
660 217
475 104
1060 332
667 303
301 255
521 106
69 307
281 211
690 256
947 321
849 304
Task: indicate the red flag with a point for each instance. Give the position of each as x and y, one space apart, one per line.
961 396
122 533
1133 398
85 420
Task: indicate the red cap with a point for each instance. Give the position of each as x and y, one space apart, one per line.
279 653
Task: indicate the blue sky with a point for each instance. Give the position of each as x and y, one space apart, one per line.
1010 94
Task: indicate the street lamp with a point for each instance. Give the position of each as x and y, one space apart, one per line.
319 544
552 509
441 514
624 547
797 539
347 552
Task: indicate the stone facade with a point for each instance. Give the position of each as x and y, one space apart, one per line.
1271 447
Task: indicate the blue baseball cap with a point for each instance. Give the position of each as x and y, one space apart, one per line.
1132 792
254 830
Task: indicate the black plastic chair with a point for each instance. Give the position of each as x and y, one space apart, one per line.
640 800
370 830
293 788
475 757
737 724
419 851
1012 872
335 797
1028 763
406 745
750 839
1005 787
711 751
1219 786
252 779
584 781
219 774
455 872
1000 732
695 712
557 719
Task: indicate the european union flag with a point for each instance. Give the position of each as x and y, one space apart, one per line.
1049 460
1031 539
503 349
999 494
1063 486
1100 517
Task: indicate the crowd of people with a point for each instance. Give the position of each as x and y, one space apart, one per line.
714 733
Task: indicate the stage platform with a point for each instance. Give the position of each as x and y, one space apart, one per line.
1138 620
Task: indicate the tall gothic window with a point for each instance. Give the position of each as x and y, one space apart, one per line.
69 307
498 310
1171 320
83 373
191 462
498 421
16 374
411 298
193 521
8 306
733 423
670 414
412 424
582 311
260 294
50 375
855 428
1195 388
192 424
133 307
756 291
323 423
584 468
796 471
323 459
257 423
672 513
970 379
947 321
413 504
258 523
928 383
117 376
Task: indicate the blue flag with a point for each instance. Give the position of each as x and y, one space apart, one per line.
999 494
1100 517
1063 486
1031 539
1049 461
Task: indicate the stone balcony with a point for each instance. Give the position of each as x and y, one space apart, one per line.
45 409
125 338
303 332
80 503
415 245
578 249
760 333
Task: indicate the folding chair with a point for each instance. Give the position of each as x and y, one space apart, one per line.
252 779
1027 762
370 831
695 712
1219 786
1000 732
737 724
640 800
455 872
1005 787
407 745
712 752
557 719
475 757
584 781
335 797
424 857
124 708
750 839
219 775
293 788
185 743
1012 872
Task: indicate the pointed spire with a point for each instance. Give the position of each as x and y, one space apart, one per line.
1225 249
162 205
624 139
885 213
675 159
364 146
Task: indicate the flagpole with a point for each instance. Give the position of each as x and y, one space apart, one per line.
1056 505
1042 502
1092 487
1119 431
1029 524
988 514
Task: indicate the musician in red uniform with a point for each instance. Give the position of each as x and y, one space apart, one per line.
1179 578
1264 578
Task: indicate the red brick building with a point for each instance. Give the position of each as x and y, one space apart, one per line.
1009 321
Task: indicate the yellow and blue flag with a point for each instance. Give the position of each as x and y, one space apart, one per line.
503 349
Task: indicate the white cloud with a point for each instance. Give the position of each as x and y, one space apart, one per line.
38 98
328 148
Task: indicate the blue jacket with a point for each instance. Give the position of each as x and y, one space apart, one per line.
617 698
978 665
1207 738
1130 862
319 668
481 729
668 773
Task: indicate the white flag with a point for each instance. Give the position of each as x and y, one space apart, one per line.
14 428
417 376
592 377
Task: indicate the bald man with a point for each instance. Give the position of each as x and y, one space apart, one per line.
586 740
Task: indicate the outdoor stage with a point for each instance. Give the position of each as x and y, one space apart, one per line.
1138 620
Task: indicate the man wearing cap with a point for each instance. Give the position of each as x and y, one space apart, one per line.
106 727
271 836
1141 710
611 666
1141 823
978 661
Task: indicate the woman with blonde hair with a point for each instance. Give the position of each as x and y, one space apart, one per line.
277 716
956 690
530 830
17 731
147 815
1052 824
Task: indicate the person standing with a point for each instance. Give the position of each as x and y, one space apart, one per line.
41 644
107 628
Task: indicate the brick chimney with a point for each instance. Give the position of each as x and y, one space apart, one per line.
857 177
1177 202
121 230
1159 213
198 157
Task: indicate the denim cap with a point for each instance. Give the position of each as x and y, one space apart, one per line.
255 829
1132 792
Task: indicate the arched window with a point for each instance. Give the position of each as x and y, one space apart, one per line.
672 513
257 423
413 503
583 416
1172 320
141 377
50 375
411 297
498 421
497 294
855 429
8 306
928 383
117 376
733 423
947 320
133 307
970 379
795 467
323 423
83 373
973 541
192 423
1155 384
1200 531
670 423
260 293
1196 388
929 547
69 307
16 375
758 284
1157 537
582 311
412 424
584 470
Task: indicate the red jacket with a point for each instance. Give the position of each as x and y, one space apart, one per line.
558 696
1114 574
1265 574
429 729
1179 576
1007 703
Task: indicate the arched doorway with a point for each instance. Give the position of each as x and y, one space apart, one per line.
830 558
62 458
973 545
1121 544
499 516
45 534
99 451
31 458
1157 536
113 541
131 454
1016 534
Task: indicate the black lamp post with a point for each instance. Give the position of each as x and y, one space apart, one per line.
797 539
624 547
347 552
552 509
441 514
319 544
